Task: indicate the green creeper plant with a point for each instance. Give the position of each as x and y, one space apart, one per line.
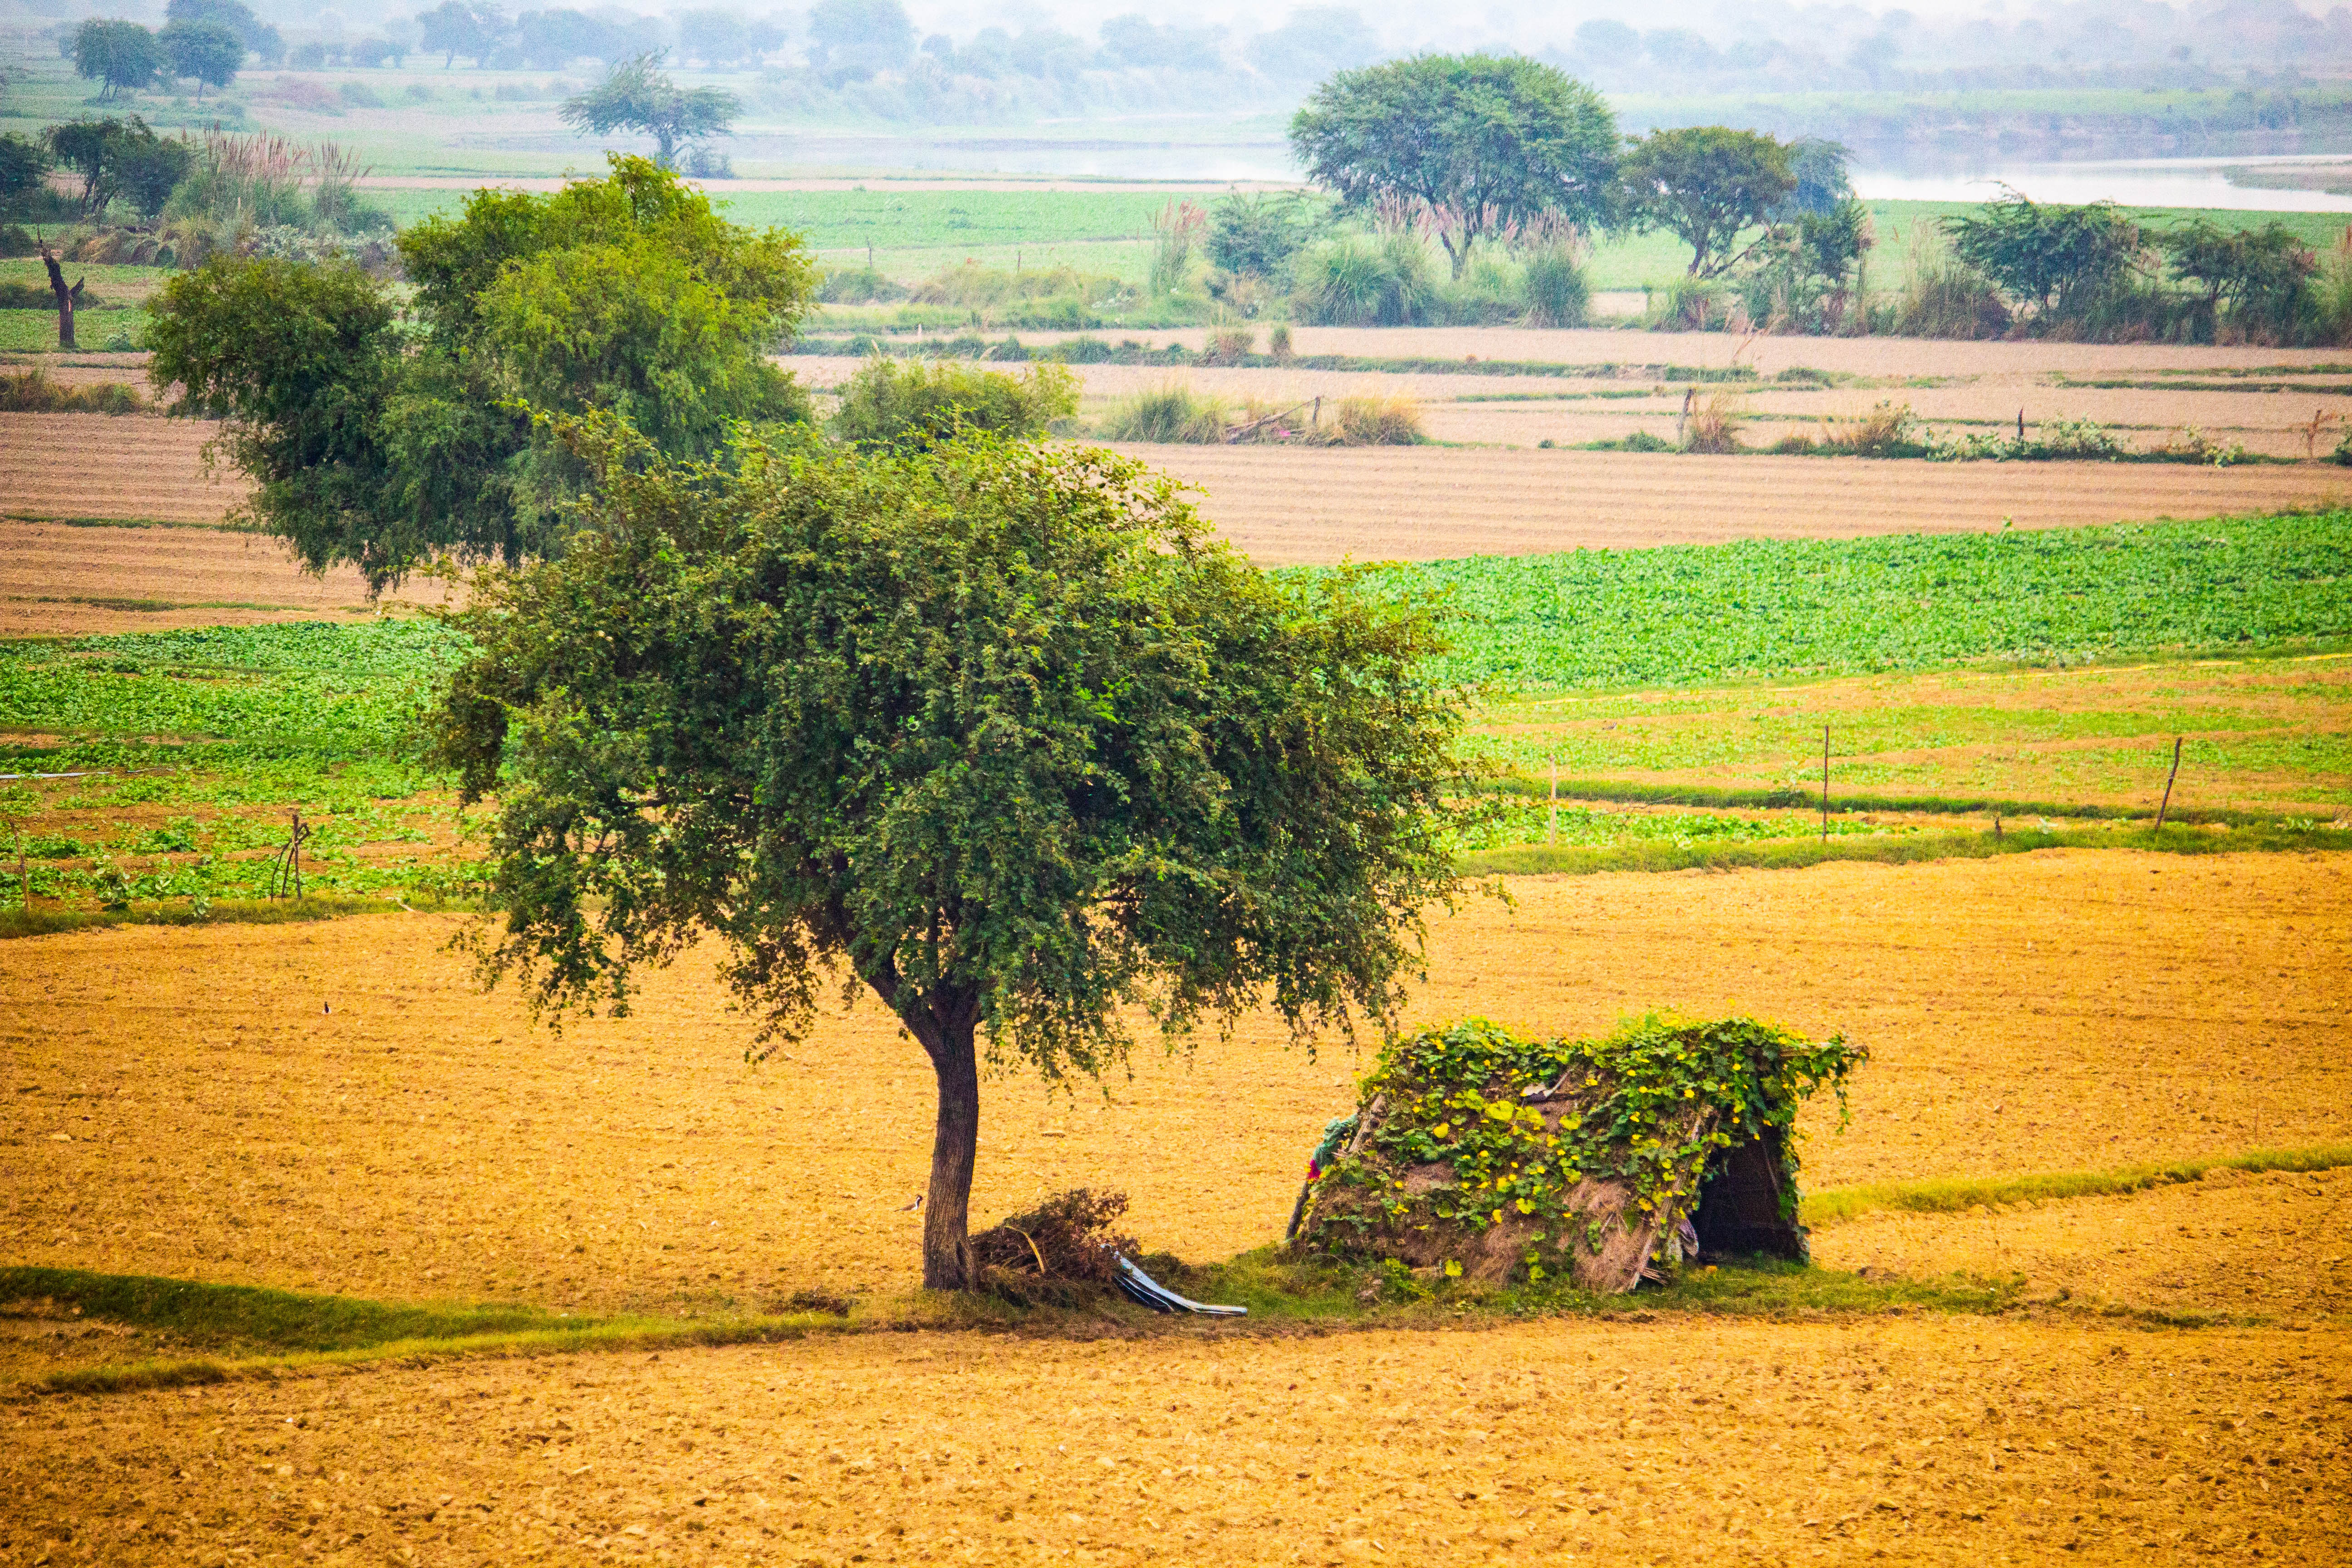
994 731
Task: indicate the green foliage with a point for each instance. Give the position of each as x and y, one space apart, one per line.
31 392
206 50
996 730
1358 280
1707 184
1173 414
628 294
1262 232
1685 614
1807 275
895 405
24 163
119 55
118 158
1469 143
638 95
1558 294
2257 277
1650 1106
2057 260
859 285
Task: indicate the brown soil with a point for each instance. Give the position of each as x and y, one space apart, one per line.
59 580
1285 506
2273 1245
98 465
1928 1442
181 1102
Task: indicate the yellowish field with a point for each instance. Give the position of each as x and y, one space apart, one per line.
184 1102
1959 1442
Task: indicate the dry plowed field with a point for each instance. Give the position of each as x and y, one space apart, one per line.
58 579
184 1102
137 466
1927 1442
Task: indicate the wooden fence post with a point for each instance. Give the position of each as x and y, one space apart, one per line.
2175 773
1552 829
1825 784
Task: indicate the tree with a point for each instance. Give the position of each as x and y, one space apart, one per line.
996 732
638 95
120 55
205 51
1706 183
383 448
2257 275
256 35
121 158
1473 142
851 40
1314 43
721 39
1259 232
2058 259
63 295
23 168
455 27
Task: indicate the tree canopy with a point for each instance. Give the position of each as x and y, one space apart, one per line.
251 31
2055 258
1706 183
2258 275
899 405
1471 144
454 27
205 51
995 732
116 55
638 95
383 447
122 158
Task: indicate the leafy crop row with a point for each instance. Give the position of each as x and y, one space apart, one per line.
1685 615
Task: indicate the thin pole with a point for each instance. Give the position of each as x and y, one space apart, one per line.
1551 832
24 877
297 848
1825 784
2168 784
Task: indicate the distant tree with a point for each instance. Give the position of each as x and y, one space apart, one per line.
455 27
384 447
2058 259
120 158
550 40
895 406
375 52
1821 183
721 39
1314 43
1475 142
121 55
1680 50
1136 41
850 40
997 733
1706 183
638 95
1607 42
205 51
260 37
2258 276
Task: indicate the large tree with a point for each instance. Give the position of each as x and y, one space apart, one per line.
1468 142
1706 183
454 27
996 732
2058 259
254 33
383 447
638 95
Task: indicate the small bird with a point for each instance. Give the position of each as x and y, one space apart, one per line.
915 1204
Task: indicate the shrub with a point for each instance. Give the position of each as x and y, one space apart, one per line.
859 286
1081 350
1173 414
1489 292
1883 432
1178 230
1259 235
895 406
31 392
1359 281
1374 421
976 288
2076 438
2058 259
1277 346
1229 345
1945 298
1689 304
359 95
1558 294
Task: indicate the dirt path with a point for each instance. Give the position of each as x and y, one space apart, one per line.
182 1103
1957 1442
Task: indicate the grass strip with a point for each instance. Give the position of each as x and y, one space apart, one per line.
1579 860
1793 798
1952 1195
19 922
124 522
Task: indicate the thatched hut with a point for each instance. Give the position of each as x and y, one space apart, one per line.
1497 1158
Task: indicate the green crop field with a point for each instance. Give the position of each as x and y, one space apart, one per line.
1715 665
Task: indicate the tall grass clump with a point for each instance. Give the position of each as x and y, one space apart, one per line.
1715 424
1173 414
896 406
31 392
1883 432
1489 292
1945 298
1372 421
269 193
1177 230
1366 280
1557 293
1690 305
2331 292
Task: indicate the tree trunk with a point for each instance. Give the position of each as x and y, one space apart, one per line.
65 299
955 1142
